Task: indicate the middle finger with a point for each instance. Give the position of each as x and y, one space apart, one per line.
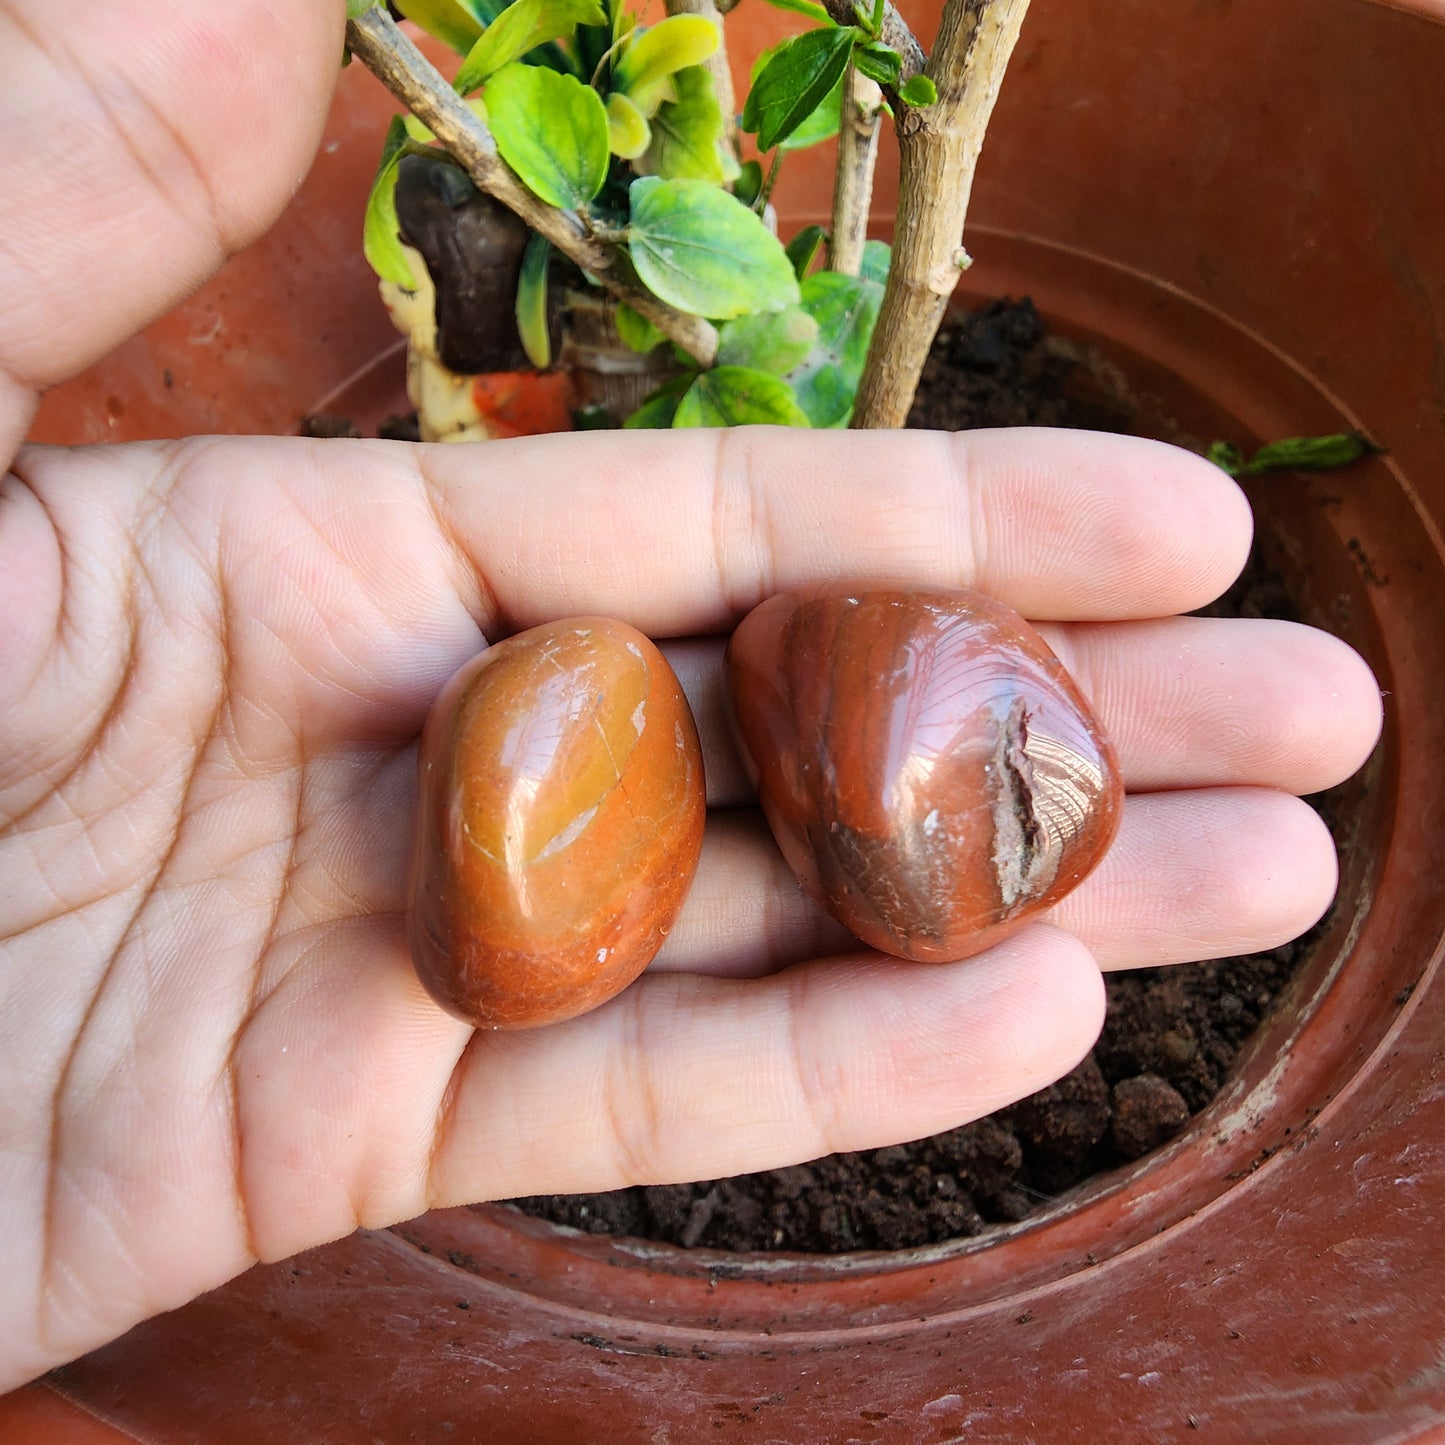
1189 702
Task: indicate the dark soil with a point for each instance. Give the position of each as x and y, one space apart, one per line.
1171 1035
1000 366
329 426
1169 1043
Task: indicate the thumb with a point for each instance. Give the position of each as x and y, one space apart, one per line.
144 142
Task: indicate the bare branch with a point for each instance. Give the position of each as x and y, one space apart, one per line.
375 39
853 179
939 147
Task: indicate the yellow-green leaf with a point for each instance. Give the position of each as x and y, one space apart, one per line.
804 7
659 408
738 396
381 230
522 27
422 136
628 133
687 134
450 21
774 341
637 332
846 310
651 56
704 252
532 302
552 130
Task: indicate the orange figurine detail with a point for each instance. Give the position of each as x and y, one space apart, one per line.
929 770
559 827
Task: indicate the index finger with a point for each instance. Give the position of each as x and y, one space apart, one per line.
684 531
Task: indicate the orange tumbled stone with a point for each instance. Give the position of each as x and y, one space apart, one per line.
929 770
559 826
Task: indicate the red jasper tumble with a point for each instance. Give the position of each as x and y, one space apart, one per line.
560 823
929 770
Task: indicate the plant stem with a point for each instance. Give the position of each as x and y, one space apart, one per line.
895 33
374 38
718 65
939 147
853 179
765 191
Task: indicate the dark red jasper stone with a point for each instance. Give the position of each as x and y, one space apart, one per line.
929 770
559 825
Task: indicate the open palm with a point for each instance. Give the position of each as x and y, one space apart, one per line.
217 659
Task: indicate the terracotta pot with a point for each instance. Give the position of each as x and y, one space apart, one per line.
1242 204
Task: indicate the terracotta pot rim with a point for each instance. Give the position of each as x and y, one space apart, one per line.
1426 9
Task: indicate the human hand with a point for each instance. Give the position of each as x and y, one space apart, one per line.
218 655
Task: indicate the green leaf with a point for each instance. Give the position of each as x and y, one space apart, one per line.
749 183
1310 454
659 408
919 91
357 8
637 332
592 416
797 77
532 324
877 260
552 130
804 247
551 54
380 229
452 22
628 133
687 134
879 62
846 310
774 341
738 396
522 27
1294 454
1226 456
655 414
650 57
822 124
804 7
704 252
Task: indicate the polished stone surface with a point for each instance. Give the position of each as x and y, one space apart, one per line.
559 825
929 770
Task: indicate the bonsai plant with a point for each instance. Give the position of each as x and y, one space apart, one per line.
608 151
614 144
